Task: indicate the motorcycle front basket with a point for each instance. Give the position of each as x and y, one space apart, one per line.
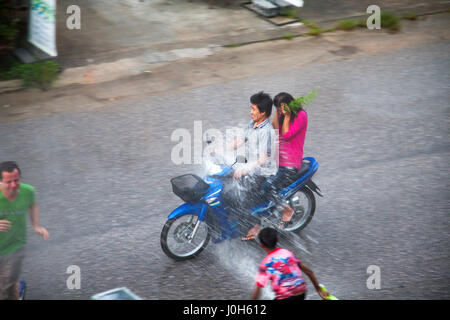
189 187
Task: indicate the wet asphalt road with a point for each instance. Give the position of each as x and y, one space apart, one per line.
379 130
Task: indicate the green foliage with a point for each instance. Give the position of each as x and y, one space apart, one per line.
8 70
39 74
347 25
290 13
362 23
390 21
233 45
410 16
9 32
314 29
298 103
9 23
288 36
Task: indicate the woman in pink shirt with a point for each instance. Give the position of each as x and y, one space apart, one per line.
292 132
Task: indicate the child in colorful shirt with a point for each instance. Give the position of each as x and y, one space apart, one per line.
283 269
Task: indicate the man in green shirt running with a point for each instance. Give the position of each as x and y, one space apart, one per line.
16 199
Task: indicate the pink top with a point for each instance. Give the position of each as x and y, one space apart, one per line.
291 143
280 266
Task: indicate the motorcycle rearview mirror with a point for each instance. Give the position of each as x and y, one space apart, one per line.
209 139
241 159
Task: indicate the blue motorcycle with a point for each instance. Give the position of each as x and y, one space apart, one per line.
204 216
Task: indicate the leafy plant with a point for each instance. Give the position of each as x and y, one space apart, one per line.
314 29
410 16
288 36
362 23
9 31
234 45
9 23
8 69
38 74
390 21
298 103
347 25
290 13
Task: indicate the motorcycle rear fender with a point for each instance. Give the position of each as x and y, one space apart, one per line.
198 208
304 180
313 187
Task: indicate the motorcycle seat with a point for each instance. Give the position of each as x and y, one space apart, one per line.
303 169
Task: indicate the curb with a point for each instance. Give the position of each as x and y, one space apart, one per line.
10 85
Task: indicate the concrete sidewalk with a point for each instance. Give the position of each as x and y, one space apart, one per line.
119 29
121 38
129 38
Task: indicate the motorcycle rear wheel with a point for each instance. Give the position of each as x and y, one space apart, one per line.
175 240
304 204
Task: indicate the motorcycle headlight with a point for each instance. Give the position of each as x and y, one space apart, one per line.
211 168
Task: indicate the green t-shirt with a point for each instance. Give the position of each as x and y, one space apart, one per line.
16 212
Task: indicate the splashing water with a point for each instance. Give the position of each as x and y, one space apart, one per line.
242 262
240 259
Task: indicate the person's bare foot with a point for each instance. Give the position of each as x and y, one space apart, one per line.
286 217
288 212
252 233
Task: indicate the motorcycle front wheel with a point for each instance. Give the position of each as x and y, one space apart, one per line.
184 237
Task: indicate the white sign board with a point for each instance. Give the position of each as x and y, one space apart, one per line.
296 3
42 30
